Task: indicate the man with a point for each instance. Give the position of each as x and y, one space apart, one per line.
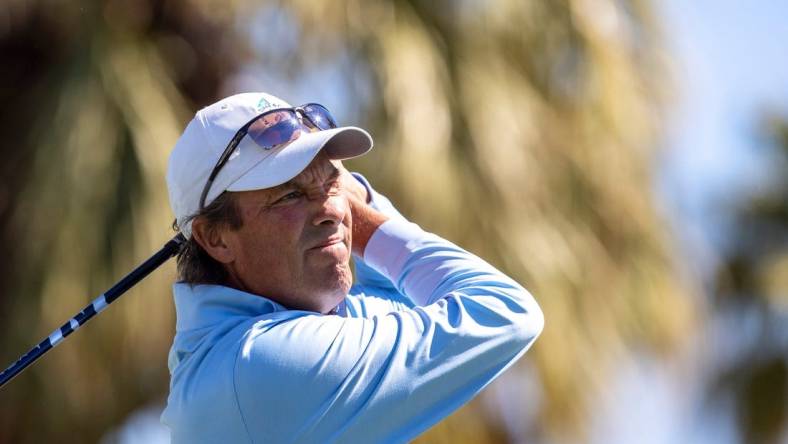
272 343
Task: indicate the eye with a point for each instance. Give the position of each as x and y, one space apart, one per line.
289 196
333 186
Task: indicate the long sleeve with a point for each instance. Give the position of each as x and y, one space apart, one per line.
365 275
386 378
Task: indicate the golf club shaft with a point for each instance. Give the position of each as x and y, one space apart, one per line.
169 250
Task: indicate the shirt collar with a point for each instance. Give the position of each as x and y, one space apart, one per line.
199 306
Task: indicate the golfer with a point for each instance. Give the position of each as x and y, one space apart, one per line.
274 342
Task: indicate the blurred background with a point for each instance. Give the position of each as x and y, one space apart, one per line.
626 160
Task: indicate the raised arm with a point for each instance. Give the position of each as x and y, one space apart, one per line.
362 191
390 377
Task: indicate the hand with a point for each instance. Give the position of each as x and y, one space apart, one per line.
352 186
365 219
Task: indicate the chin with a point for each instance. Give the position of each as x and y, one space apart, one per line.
332 289
343 280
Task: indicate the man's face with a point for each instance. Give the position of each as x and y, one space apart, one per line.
295 242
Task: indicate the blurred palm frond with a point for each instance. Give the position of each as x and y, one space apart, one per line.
524 131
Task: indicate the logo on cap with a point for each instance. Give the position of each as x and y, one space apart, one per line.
262 105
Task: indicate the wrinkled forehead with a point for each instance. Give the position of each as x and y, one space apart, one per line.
319 173
321 170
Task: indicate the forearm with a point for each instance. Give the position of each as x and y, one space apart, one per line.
426 268
365 221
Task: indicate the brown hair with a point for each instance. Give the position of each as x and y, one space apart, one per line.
195 265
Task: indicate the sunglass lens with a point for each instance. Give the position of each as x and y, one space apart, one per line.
320 116
275 128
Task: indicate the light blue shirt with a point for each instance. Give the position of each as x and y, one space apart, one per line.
425 328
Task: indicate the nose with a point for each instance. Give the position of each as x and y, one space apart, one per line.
331 210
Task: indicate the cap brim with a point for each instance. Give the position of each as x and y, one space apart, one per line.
289 160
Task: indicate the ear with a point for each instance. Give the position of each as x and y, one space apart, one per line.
213 241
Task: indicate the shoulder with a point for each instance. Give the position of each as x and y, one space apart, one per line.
285 371
281 348
280 357
366 301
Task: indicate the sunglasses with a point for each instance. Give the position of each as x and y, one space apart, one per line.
273 128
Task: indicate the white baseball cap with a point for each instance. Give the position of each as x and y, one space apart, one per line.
250 167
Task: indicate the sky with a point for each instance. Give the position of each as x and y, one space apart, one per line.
730 65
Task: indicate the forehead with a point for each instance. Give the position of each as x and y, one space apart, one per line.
318 171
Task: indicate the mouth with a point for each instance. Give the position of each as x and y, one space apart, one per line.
331 241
